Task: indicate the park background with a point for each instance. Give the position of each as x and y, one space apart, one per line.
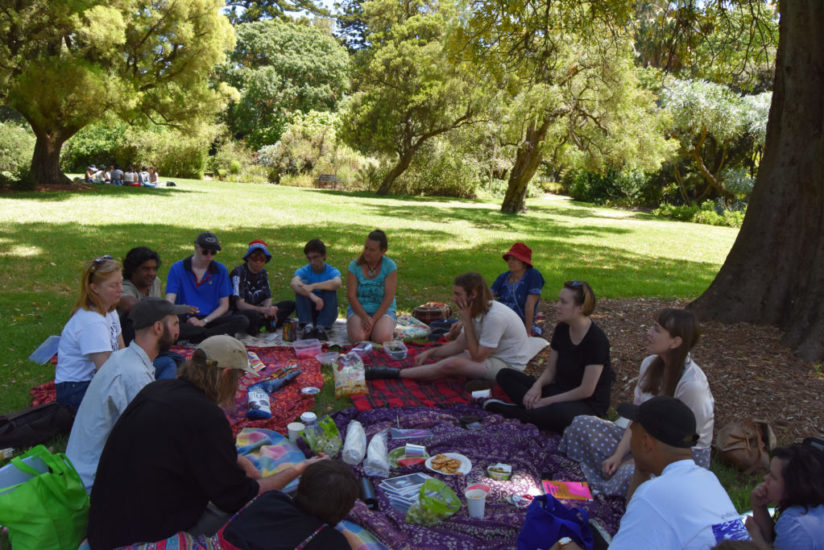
444 123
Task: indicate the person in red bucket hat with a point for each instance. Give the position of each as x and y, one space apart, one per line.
520 287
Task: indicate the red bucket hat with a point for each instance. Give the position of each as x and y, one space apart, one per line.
521 252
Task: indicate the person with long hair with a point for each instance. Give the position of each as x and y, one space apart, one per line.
93 331
795 483
578 377
170 463
602 447
370 288
493 338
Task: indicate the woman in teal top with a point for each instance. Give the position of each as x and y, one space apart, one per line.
370 289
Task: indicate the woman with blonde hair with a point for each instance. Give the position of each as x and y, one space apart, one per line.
578 376
93 331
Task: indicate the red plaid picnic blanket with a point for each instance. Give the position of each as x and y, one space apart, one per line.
408 393
287 403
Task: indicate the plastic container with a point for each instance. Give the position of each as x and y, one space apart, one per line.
363 348
327 358
500 472
307 348
395 349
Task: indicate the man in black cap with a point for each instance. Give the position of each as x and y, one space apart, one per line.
684 506
203 283
119 379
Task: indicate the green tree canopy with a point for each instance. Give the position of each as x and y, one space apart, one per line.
63 64
410 90
247 11
282 68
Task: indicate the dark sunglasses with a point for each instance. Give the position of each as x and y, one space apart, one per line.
208 252
102 259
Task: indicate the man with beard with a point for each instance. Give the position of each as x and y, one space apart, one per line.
120 378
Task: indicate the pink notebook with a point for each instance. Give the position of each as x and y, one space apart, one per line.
567 490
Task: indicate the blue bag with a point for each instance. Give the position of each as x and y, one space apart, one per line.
547 521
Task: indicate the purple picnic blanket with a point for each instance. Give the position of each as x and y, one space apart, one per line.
529 451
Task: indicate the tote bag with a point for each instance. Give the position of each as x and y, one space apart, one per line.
547 521
49 510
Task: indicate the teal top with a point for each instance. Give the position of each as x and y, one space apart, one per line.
371 291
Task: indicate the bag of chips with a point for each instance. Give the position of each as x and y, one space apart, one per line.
436 502
350 375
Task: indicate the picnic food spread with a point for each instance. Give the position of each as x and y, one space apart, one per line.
445 464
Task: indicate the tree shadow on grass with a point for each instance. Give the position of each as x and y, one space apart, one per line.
99 191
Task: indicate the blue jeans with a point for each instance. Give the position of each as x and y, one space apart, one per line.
323 318
71 393
166 365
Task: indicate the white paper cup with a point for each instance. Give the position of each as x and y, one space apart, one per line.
476 500
295 429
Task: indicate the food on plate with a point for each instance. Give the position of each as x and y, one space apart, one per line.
445 464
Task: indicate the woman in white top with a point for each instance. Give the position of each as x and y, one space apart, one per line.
93 331
602 447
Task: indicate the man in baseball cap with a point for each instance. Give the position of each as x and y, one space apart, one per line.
684 506
203 283
118 381
170 463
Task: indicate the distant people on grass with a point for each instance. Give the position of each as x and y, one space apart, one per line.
326 493
143 176
520 287
130 177
93 331
90 172
370 288
153 177
118 381
578 377
493 339
602 447
203 283
795 484
251 295
170 463
316 287
117 175
140 281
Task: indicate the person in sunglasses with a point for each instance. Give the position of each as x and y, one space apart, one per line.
578 376
201 282
93 331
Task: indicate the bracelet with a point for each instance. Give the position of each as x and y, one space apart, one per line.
206 320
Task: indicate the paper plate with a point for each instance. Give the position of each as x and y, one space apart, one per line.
399 453
465 467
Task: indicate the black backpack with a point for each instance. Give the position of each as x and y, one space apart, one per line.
35 425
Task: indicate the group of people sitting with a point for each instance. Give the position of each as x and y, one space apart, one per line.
114 175
664 451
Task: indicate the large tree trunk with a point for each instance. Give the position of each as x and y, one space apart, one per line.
527 160
774 273
399 168
45 163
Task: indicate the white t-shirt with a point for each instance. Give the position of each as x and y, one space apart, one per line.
693 390
685 508
86 332
502 330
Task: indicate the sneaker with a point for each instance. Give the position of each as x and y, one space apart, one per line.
320 334
497 402
308 332
478 384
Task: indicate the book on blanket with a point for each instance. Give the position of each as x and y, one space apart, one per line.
402 491
567 490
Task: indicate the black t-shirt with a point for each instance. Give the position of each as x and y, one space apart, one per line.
274 522
252 288
572 359
169 454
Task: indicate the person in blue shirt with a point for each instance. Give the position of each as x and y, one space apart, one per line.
370 288
316 292
520 287
795 483
203 283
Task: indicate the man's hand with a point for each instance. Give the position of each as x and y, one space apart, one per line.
196 322
269 311
464 309
318 302
422 357
309 461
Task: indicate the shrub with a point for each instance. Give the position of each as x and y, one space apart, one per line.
16 149
234 162
707 213
96 143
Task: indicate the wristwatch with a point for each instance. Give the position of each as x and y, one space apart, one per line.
563 541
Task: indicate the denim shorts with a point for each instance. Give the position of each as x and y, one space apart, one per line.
391 314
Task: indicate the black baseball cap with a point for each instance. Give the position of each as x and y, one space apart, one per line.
150 310
665 418
208 241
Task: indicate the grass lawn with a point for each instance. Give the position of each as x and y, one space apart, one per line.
45 240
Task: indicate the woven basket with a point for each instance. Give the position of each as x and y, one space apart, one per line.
432 311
